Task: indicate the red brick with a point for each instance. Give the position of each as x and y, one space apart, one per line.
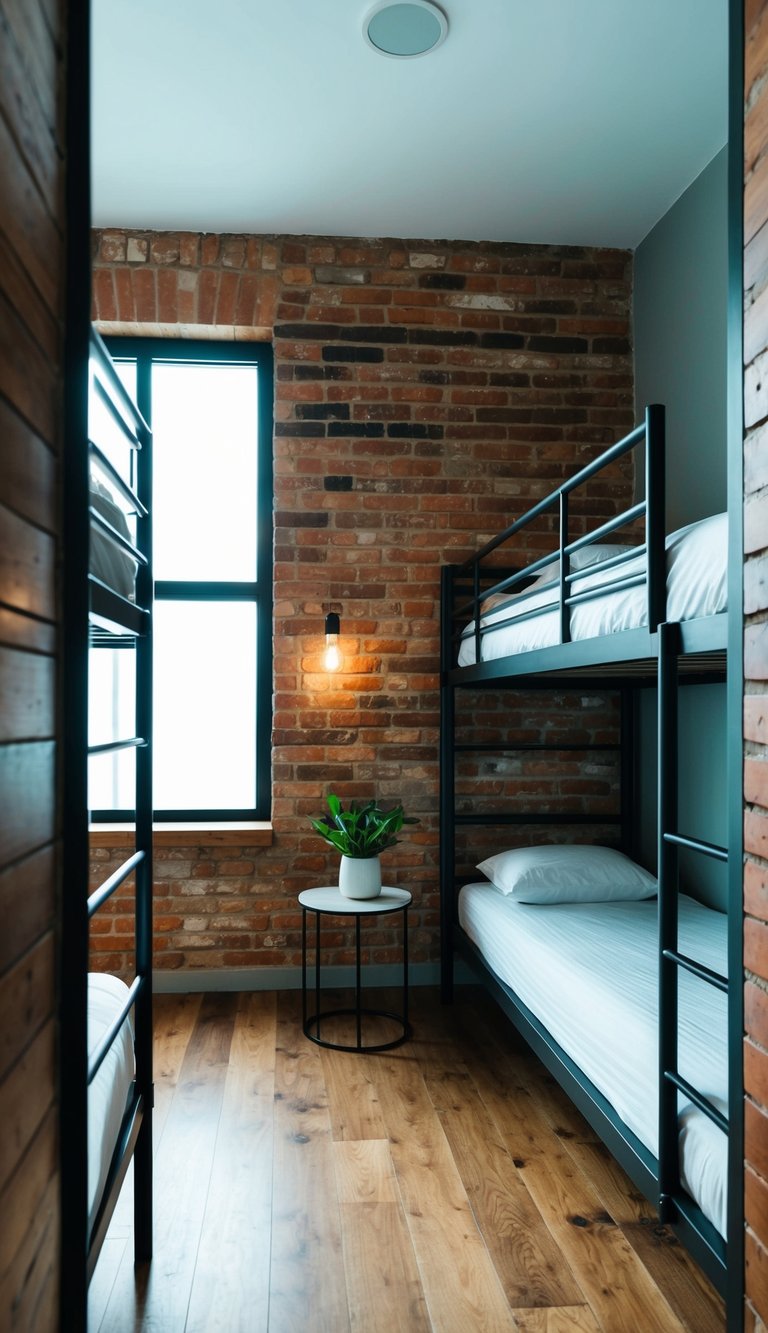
757 1274
756 718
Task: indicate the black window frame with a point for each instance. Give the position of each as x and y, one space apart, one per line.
259 591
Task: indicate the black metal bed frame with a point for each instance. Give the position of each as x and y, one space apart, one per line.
661 654
100 617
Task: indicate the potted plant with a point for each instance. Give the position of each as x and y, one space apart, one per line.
360 834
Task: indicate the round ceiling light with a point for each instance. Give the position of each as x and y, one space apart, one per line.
409 28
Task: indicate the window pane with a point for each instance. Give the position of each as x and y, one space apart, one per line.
204 421
112 717
204 705
112 781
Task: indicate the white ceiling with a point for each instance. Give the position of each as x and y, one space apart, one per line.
570 121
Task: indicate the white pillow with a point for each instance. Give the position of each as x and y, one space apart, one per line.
568 874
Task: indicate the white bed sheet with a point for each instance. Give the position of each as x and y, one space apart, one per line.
588 971
697 560
108 1094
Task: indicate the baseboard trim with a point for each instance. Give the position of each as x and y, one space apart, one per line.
189 980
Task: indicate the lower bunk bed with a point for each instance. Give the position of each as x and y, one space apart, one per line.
586 973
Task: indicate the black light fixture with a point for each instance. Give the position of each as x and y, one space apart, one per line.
332 658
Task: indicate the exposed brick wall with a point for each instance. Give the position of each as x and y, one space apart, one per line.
32 145
425 393
756 654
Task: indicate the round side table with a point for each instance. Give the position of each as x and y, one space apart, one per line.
328 901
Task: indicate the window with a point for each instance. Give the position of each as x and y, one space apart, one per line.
210 409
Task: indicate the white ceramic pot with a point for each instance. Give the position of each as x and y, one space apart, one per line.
360 877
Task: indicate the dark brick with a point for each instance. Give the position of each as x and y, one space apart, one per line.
302 372
434 377
337 483
323 411
544 344
521 415
363 430
297 519
414 430
508 340
353 353
442 338
447 282
306 429
509 379
377 333
611 346
314 332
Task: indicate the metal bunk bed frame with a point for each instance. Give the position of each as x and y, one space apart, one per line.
659 654
104 618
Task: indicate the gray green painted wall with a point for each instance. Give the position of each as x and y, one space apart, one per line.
679 303
679 316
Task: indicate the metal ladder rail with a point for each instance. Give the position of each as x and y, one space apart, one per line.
671 960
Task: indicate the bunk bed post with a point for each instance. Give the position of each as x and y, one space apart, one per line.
142 1202
447 833
628 769
72 776
565 569
735 1276
655 514
669 1158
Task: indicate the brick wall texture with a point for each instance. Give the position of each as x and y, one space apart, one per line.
756 654
425 393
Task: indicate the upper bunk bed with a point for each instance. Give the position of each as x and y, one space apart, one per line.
106 1100
590 607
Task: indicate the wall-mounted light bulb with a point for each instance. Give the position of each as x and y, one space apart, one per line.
332 656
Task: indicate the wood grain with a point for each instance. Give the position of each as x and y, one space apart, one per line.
27 779
230 1289
25 1098
429 1227
307 1282
26 1000
27 682
26 566
27 470
27 904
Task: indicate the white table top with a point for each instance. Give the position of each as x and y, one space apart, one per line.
329 899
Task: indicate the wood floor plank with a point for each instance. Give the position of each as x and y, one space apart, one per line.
426 1227
617 1285
157 1299
526 1258
690 1294
460 1283
352 1099
364 1172
570 1319
307 1284
230 1288
383 1284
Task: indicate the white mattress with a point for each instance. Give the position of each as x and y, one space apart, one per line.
697 559
588 971
108 561
108 1094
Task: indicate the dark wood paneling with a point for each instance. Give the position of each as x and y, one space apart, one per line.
20 631
25 373
27 470
25 1098
36 50
23 296
27 683
28 1290
24 1193
26 119
27 903
27 223
26 798
26 1001
27 575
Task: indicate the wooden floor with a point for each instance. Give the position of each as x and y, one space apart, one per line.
447 1185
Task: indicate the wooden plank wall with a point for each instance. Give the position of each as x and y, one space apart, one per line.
31 285
756 654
